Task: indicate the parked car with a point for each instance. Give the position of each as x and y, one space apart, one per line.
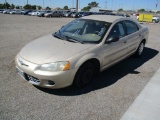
54 14
80 50
31 12
26 12
123 15
155 19
22 11
15 12
12 12
85 14
35 13
77 14
41 14
1 10
6 11
69 14
99 13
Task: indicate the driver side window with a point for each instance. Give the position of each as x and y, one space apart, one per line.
117 30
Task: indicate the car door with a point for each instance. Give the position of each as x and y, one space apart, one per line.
134 36
54 14
115 51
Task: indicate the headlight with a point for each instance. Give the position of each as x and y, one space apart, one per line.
56 66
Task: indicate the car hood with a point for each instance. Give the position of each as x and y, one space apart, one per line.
49 49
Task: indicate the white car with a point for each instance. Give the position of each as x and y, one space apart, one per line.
155 19
35 13
12 12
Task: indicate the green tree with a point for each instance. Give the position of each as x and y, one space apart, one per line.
48 8
12 6
86 8
33 7
93 4
7 5
65 8
27 6
158 11
90 5
1 6
39 7
17 7
141 10
120 10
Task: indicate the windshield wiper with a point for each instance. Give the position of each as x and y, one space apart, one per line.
58 35
68 38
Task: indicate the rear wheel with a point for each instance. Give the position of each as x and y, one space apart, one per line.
140 49
84 75
154 21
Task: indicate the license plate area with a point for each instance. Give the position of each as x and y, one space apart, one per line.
21 73
27 77
32 79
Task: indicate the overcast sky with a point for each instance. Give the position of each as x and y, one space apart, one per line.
109 4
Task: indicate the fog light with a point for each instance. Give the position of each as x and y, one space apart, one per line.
49 82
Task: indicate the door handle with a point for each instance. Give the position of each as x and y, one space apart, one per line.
140 35
125 42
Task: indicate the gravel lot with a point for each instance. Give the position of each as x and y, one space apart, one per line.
106 99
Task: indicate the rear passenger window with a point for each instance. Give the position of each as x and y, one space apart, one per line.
131 27
117 30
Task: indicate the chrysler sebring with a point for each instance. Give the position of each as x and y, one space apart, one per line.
79 50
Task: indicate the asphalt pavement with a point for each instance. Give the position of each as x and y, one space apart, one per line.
147 105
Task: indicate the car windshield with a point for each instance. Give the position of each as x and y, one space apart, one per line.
84 31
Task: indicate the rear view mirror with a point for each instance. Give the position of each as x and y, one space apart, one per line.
112 39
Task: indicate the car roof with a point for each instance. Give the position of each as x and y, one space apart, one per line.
106 18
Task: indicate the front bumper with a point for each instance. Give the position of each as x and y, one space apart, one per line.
60 79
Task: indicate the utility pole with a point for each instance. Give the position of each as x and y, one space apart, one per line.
5 4
77 5
27 2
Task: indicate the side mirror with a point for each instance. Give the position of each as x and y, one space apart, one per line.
112 39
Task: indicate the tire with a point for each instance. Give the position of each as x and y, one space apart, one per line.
140 49
154 21
84 75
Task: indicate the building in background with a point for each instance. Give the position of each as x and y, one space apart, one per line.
98 9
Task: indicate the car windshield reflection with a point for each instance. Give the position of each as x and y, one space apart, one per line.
84 30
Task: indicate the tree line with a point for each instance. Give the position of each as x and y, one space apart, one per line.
34 7
27 6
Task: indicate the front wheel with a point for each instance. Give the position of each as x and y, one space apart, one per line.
154 21
140 49
84 75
